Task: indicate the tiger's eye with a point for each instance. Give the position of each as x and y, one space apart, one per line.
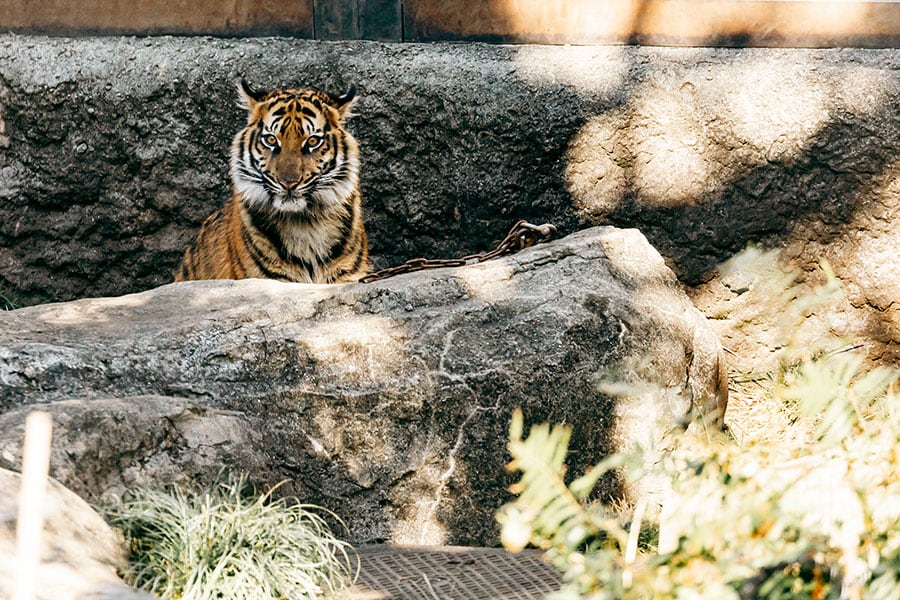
314 141
270 140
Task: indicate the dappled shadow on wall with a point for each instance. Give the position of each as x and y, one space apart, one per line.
709 150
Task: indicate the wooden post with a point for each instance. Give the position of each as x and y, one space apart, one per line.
32 495
337 19
381 20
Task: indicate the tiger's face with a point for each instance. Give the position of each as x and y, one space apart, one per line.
294 157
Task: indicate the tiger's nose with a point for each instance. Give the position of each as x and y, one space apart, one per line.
290 184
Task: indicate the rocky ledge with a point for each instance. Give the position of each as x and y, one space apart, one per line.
388 403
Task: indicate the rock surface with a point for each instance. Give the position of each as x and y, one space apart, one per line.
389 402
112 151
80 552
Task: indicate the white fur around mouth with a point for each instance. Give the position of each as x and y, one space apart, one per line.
290 204
256 195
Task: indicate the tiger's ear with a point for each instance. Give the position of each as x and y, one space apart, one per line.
247 97
345 102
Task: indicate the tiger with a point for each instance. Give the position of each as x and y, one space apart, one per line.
295 213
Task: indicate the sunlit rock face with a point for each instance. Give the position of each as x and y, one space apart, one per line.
79 551
712 151
388 402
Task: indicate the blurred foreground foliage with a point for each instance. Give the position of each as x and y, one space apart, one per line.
815 517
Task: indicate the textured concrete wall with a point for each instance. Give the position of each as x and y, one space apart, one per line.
113 150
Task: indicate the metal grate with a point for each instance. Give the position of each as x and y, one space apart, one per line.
451 573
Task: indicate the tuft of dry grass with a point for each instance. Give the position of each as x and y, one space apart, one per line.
229 545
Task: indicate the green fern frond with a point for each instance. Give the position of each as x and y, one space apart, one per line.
548 513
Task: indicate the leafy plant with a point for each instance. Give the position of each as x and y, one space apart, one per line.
588 546
229 545
813 516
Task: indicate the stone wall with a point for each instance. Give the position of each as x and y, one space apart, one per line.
113 150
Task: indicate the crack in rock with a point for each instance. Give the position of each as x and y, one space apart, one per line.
445 477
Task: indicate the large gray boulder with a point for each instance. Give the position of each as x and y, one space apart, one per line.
79 553
388 402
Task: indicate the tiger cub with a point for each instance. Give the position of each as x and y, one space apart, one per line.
295 213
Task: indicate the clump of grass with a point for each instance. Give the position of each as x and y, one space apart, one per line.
8 300
228 544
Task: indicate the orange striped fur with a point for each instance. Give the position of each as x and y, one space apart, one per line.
295 213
